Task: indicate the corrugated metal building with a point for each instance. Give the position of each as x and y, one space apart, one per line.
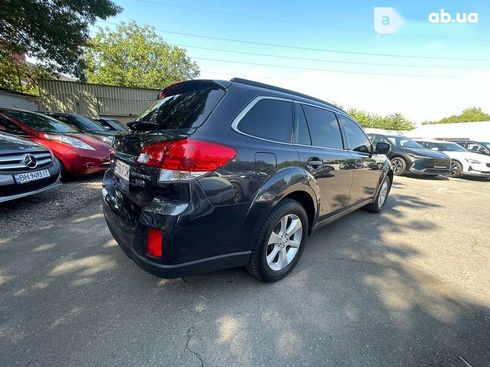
94 100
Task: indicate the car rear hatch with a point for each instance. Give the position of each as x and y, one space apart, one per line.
157 157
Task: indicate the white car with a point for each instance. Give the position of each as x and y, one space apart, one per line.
463 162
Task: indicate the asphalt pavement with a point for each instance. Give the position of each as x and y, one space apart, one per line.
408 287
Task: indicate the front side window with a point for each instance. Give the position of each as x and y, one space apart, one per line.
324 128
269 119
358 141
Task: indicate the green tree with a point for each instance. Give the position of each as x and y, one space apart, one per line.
53 32
391 122
136 56
471 114
20 76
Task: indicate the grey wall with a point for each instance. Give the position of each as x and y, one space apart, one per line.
14 100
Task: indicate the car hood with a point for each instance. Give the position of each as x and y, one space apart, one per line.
10 143
470 155
422 152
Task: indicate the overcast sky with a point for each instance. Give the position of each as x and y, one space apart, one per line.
330 50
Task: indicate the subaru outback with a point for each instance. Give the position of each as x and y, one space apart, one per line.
220 174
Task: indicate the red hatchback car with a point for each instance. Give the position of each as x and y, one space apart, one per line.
80 154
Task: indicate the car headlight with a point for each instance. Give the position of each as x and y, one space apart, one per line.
74 142
417 156
108 139
472 161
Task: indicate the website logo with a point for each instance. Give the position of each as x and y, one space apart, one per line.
387 20
447 18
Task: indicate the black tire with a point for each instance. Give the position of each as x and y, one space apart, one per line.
64 176
258 266
375 206
456 169
399 166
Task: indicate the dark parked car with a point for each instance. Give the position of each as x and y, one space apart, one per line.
111 124
479 147
221 174
85 125
407 156
26 168
80 154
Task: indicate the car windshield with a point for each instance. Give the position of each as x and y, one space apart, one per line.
87 124
40 122
401 141
451 147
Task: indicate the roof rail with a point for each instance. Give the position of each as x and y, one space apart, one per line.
279 89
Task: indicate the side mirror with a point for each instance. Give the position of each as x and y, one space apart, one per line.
382 148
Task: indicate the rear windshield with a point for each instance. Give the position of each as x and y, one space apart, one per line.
183 109
40 122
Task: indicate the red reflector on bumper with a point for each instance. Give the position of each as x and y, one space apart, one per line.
154 242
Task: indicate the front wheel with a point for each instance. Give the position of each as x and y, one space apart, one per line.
279 242
399 166
456 169
377 205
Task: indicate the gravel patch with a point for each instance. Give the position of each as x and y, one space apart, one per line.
40 210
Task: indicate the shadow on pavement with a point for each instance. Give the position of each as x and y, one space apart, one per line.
69 296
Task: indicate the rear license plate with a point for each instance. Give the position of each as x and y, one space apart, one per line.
31 176
122 170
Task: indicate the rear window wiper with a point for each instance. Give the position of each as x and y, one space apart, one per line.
142 125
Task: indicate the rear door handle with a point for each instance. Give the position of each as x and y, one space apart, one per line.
314 162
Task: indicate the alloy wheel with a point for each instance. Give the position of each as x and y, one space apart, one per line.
383 193
284 242
397 165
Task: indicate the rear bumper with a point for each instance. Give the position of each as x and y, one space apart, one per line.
197 237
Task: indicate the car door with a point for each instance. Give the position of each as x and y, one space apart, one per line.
321 149
367 168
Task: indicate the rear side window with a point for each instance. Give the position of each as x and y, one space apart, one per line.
324 128
303 131
358 141
186 107
270 119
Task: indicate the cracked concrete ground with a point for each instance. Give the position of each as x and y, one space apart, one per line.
409 287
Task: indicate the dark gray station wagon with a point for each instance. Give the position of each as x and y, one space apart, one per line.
220 174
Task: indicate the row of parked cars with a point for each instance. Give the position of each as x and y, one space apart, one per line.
432 157
37 150
219 174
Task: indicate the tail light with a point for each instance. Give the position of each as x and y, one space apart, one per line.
185 159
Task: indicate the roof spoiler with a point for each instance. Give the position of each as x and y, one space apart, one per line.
190 85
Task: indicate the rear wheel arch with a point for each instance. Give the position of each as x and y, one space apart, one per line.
307 202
